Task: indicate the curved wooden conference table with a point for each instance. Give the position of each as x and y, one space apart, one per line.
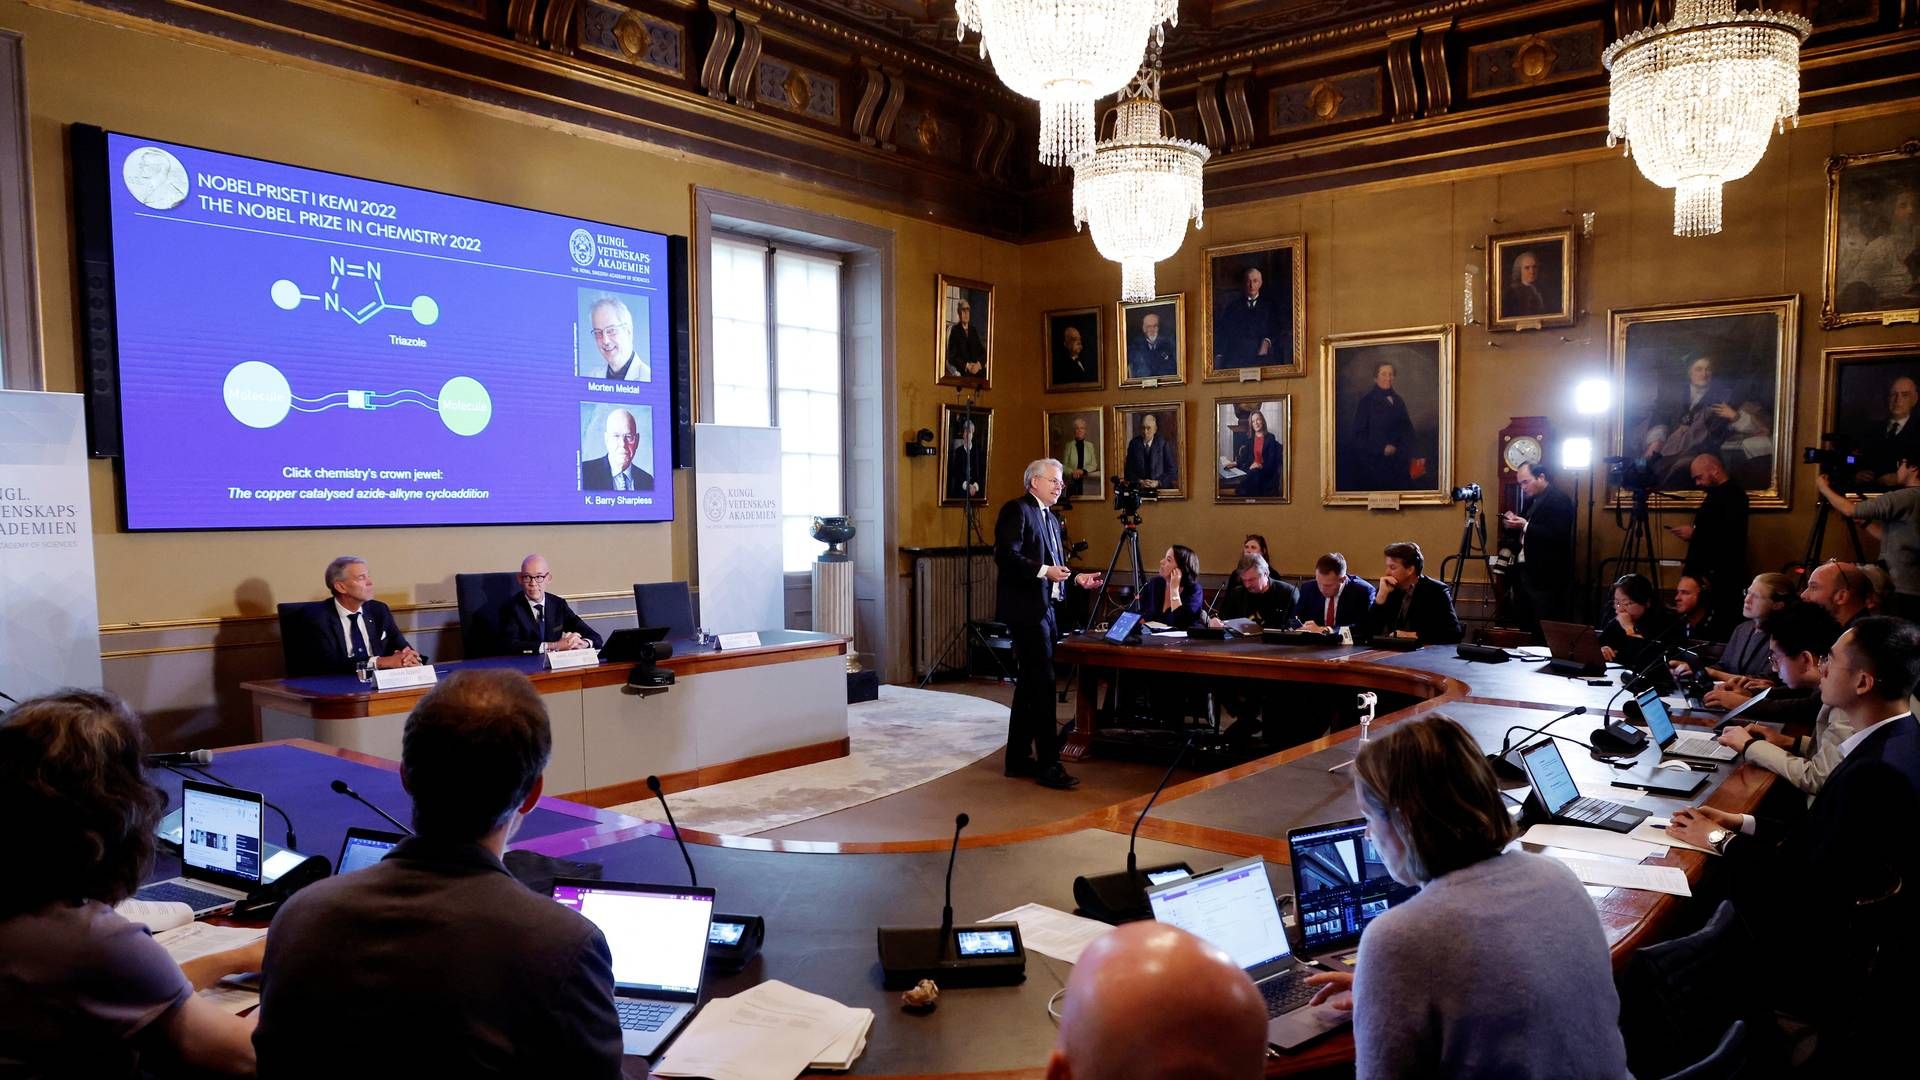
822 901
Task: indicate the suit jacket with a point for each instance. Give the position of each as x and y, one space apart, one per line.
1380 420
1025 538
1718 549
1548 541
1151 360
596 474
1155 462
493 979
511 624
964 346
1880 451
1070 370
1427 611
961 465
1350 608
317 646
1264 480
1240 327
1518 301
1070 459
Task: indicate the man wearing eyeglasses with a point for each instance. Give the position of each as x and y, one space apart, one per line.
537 621
617 471
612 323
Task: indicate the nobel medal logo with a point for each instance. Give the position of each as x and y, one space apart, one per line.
156 178
581 246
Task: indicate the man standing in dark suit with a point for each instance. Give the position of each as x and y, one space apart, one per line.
537 621
1151 355
618 471
1383 435
1717 539
1546 545
1249 330
1336 599
334 637
1031 558
966 467
1410 604
493 978
1844 864
1150 459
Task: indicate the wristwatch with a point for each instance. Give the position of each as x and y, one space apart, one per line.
1718 838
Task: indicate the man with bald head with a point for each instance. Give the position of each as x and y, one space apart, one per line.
1717 539
1885 445
1150 1001
618 471
534 620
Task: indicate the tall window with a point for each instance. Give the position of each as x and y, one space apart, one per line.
777 361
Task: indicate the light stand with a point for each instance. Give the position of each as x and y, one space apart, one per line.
1591 399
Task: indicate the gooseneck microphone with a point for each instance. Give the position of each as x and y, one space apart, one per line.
1122 897
340 787
182 757
1506 768
653 785
946 913
977 954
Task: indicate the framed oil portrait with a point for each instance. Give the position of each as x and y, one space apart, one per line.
1869 395
1386 417
963 321
1072 349
1255 298
1873 238
1076 438
1151 347
1711 378
1149 446
966 438
1251 437
1530 279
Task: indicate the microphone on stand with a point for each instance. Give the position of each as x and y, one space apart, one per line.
653 785
976 954
732 940
182 757
340 787
1504 765
1122 897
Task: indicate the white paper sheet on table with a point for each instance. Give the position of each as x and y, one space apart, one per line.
844 1050
155 915
1052 932
230 999
1595 841
772 1031
195 940
1625 875
1653 831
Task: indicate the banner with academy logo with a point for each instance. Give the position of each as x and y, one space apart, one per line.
49 619
737 518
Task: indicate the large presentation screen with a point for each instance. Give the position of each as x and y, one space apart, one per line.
301 348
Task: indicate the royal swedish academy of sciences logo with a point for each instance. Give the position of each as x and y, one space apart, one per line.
581 246
714 504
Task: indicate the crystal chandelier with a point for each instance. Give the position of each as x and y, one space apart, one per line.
1138 189
1065 54
1697 98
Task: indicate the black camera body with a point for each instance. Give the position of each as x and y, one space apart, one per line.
1634 474
1129 494
1832 455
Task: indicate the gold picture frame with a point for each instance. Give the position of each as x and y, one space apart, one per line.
1140 363
1866 196
1056 434
1550 299
1230 326
1152 465
1856 385
1368 440
1241 482
1675 366
954 466
971 344
1058 366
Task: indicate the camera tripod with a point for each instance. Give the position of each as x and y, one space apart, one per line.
1636 546
1816 542
1473 548
1129 542
969 633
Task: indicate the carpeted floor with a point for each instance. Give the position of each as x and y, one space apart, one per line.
904 739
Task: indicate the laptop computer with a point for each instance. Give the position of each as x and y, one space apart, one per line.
658 937
1340 884
364 847
1126 626
1671 743
1553 785
220 849
1233 909
1575 648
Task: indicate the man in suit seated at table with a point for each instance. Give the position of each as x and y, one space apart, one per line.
1336 600
470 972
537 621
1411 604
334 637
1253 593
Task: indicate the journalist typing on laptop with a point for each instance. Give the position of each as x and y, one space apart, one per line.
1498 966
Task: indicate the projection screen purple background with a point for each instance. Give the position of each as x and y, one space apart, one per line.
302 349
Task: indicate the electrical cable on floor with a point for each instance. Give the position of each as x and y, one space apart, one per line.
1057 995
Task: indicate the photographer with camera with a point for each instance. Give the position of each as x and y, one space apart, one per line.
1717 539
1895 518
1546 545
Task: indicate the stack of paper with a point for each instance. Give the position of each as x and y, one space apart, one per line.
155 915
772 1031
1594 842
195 940
1052 932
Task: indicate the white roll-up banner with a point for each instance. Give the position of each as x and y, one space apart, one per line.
737 516
49 615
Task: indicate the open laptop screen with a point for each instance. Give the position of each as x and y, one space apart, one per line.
1547 771
658 938
1340 883
220 831
1659 723
1231 908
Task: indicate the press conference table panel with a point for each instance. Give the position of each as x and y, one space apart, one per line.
608 736
822 900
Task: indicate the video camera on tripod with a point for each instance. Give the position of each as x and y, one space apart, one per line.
1129 494
1639 475
1832 455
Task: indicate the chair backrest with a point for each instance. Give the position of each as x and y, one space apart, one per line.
288 613
475 593
668 604
1679 996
